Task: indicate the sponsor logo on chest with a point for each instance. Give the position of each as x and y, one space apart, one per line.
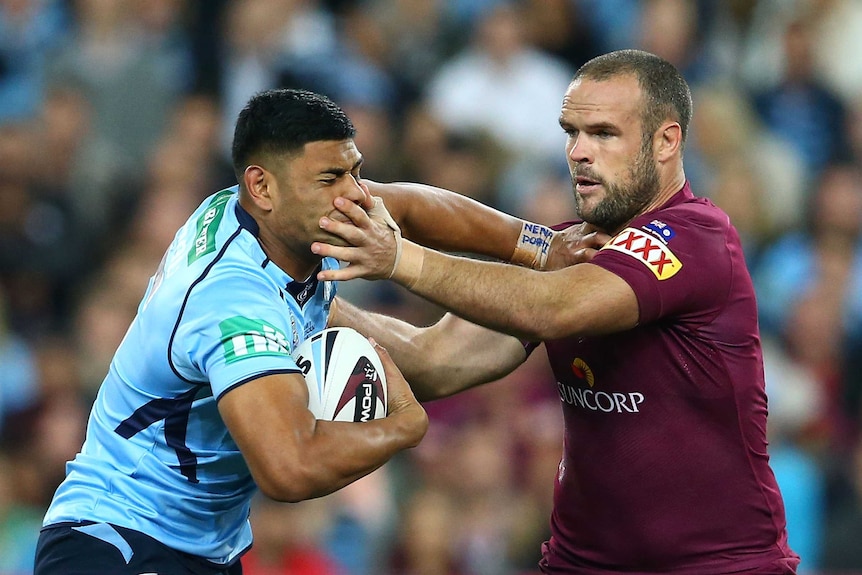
586 397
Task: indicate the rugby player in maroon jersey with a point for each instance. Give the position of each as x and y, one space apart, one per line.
654 342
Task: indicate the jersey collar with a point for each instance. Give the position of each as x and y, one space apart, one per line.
300 291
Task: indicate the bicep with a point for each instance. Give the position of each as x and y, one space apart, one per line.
447 220
268 416
601 302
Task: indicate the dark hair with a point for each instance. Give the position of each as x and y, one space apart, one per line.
665 92
282 121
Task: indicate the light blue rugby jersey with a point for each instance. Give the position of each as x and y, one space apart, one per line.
158 457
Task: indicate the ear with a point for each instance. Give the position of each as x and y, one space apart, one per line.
668 141
258 181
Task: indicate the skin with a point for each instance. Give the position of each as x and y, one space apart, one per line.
287 196
291 455
606 158
419 210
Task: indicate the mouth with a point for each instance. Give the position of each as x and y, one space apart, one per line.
585 185
337 216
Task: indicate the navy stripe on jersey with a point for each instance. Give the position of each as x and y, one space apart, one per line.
186 301
256 376
175 412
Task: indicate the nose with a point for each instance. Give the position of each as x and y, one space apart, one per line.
356 191
360 191
576 150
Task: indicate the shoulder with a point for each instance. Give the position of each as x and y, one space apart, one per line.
696 226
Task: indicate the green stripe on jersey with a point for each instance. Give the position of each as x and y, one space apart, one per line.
207 225
243 337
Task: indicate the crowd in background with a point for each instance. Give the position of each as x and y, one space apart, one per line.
115 122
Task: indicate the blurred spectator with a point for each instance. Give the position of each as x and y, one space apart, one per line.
81 177
105 309
560 28
363 521
829 242
841 550
20 520
800 109
503 87
424 543
798 412
736 187
674 30
18 378
728 140
31 31
418 36
263 39
809 287
130 74
287 537
614 22
838 28
40 250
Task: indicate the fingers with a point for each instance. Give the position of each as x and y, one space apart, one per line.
596 239
399 391
368 200
349 232
354 212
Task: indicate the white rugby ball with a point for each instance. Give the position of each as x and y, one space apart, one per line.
344 376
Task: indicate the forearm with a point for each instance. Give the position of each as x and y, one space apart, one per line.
452 222
338 453
578 300
440 360
292 455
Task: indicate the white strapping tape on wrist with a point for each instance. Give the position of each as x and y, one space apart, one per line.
533 246
379 211
408 268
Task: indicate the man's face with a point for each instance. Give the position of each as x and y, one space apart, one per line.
307 185
614 174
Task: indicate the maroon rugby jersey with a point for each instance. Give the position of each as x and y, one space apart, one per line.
665 468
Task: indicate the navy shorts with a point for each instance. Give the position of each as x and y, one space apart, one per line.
100 548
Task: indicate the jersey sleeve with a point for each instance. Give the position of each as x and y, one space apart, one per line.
679 264
235 328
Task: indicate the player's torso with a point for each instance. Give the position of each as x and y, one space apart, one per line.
158 456
665 458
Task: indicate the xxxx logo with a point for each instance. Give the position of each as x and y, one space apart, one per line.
648 250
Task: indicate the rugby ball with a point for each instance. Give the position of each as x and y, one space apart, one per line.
344 376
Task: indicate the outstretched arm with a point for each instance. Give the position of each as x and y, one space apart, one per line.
452 222
578 300
439 360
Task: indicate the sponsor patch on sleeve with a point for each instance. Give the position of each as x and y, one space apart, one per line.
646 248
243 337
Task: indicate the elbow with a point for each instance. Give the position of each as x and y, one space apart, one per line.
288 483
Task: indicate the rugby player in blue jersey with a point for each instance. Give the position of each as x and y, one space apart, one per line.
654 343
203 404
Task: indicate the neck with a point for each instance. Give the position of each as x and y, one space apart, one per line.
296 260
666 192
